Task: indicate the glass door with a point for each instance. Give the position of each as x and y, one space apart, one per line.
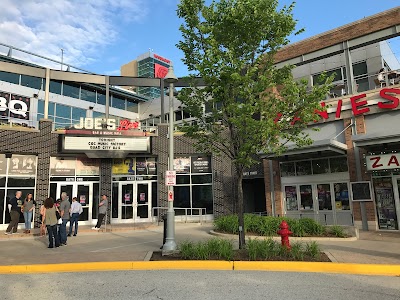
385 190
143 201
126 197
323 197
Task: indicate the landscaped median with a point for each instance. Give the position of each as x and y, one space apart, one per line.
310 267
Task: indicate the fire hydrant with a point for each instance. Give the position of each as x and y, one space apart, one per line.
284 232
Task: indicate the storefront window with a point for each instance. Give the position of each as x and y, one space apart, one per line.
320 166
88 94
9 77
324 196
338 164
71 90
202 197
32 82
181 198
385 203
288 169
306 200
341 196
291 198
303 168
55 87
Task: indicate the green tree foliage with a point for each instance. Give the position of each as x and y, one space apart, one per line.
251 106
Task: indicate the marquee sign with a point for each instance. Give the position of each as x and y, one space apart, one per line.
78 144
383 161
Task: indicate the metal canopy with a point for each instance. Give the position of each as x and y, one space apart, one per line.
376 138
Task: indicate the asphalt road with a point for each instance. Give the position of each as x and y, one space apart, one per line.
194 285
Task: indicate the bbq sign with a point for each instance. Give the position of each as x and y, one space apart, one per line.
14 106
383 162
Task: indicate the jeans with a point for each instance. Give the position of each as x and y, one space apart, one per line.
28 219
52 231
74 220
63 231
14 221
100 220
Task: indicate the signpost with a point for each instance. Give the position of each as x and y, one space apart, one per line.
170 179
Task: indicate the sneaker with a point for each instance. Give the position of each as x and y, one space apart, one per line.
97 229
69 234
94 228
74 234
7 233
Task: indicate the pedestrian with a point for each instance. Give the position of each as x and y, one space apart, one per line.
50 219
102 211
65 207
14 207
76 210
27 209
43 225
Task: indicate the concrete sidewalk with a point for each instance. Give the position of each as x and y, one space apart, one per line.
133 244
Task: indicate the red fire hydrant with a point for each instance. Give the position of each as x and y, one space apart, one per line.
284 232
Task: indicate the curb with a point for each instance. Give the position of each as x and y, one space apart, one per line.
277 238
273 266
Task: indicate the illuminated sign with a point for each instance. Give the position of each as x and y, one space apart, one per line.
96 123
383 162
162 58
132 144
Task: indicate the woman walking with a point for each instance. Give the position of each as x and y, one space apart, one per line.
50 219
27 209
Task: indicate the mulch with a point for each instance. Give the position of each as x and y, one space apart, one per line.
239 255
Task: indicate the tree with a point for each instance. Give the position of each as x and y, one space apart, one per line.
247 106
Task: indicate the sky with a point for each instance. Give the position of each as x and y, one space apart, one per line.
101 35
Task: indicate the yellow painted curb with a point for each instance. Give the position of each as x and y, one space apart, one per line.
117 266
319 267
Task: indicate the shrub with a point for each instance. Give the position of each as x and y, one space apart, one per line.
297 251
311 227
227 224
313 250
187 249
337 231
207 249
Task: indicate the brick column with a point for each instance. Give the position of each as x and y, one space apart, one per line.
105 183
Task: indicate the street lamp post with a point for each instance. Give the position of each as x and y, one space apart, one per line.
170 244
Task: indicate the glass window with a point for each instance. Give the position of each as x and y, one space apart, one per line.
337 76
178 115
288 169
186 115
30 81
78 113
360 69
341 196
118 102
61 123
88 94
9 77
182 179
199 179
306 199
71 90
101 97
324 196
320 166
291 197
181 197
362 85
202 198
63 111
385 203
55 86
40 106
132 106
19 182
2 182
97 114
303 168
338 164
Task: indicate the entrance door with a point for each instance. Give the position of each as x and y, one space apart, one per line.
84 194
134 201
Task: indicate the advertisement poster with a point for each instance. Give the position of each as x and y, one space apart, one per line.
3 164
127 198
291 198
22 165
151 166
88 167
141 166
82 200
142 197
182 164
124 166
201 164
62 166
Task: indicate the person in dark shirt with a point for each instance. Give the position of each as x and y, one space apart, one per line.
14 207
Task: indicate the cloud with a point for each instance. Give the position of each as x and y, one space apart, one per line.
82 28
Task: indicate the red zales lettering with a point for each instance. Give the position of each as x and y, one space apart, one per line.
375 164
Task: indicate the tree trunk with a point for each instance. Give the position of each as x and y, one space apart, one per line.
239 178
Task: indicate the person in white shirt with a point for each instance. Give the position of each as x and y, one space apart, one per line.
75 211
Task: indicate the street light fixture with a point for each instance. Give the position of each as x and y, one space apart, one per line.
170 244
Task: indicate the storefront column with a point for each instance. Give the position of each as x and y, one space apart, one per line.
105 183
273 188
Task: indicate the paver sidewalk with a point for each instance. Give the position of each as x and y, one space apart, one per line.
133 244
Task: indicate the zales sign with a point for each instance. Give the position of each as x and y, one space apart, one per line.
108 124
383 162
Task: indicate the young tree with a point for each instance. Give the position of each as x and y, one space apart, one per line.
247 106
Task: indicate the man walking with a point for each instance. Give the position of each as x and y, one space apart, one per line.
14 206
102 211
76 210
65 207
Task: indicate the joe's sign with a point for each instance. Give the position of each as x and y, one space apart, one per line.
383 162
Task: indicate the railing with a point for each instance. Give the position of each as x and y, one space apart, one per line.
159 208
260 213
10 122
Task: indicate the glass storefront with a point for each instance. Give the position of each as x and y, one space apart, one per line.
17 173
386 201
194 184
134 189
78 177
